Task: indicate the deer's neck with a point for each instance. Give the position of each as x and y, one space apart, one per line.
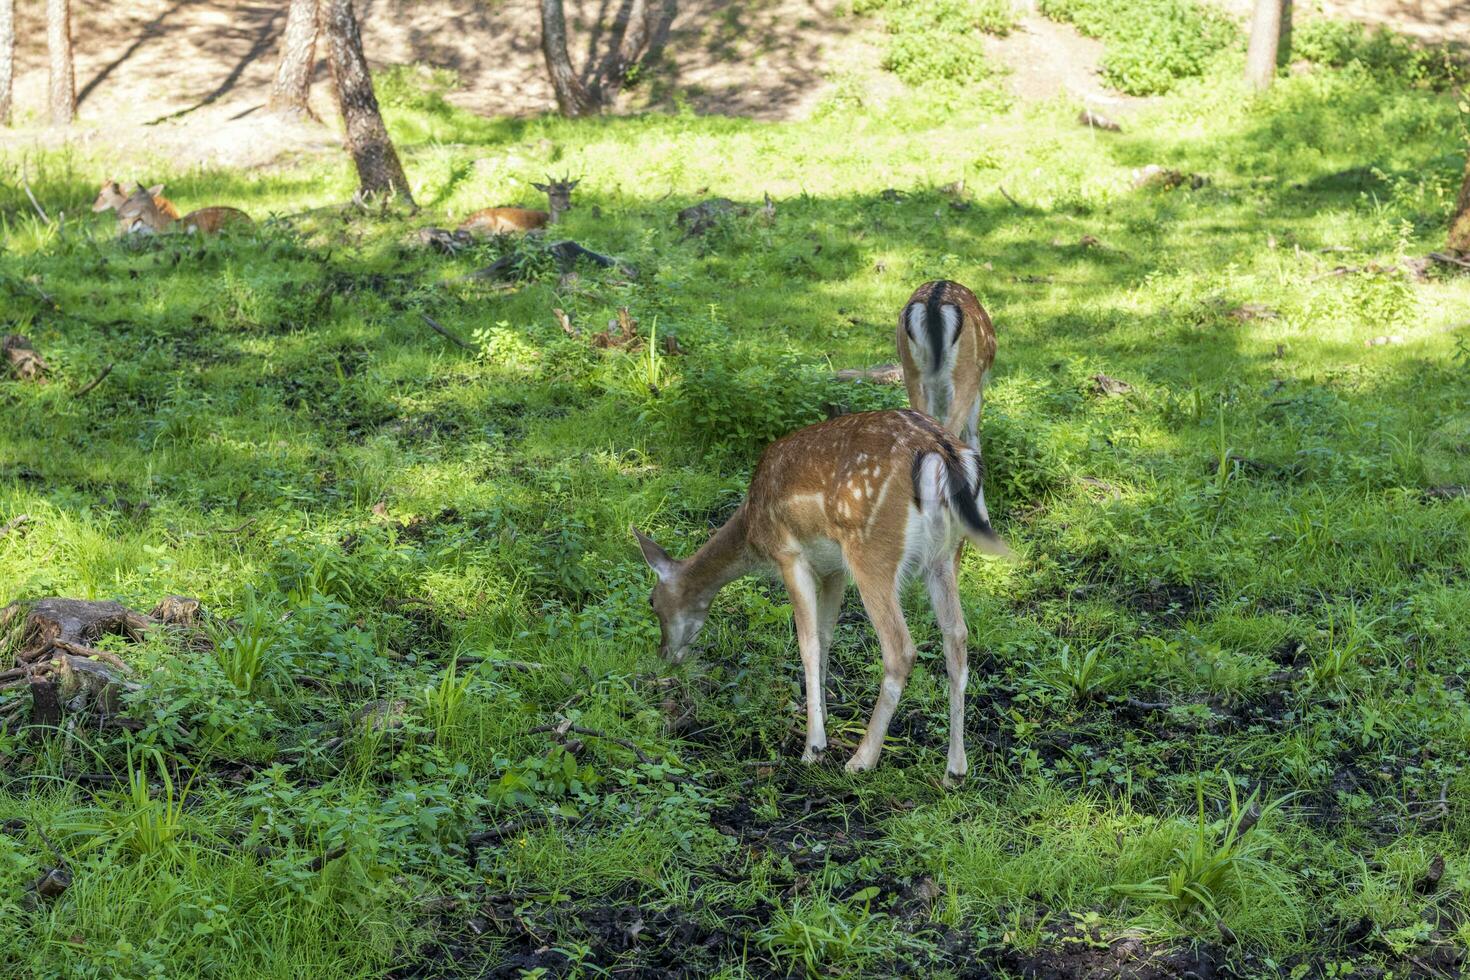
726 556
556 214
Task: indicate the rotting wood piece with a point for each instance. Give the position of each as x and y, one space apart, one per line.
25 364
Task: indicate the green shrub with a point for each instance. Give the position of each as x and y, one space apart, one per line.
1151 43
1383 53
939 40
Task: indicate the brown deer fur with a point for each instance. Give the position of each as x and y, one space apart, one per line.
946 344
509 221
112 196
882 496
139 214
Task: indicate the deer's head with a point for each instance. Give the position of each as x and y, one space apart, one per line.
110 196
681 612
139 214
558 192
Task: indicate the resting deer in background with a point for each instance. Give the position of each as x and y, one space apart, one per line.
946 344
507 221
141 215
881 495
113 196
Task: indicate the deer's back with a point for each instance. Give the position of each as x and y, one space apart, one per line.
209 221
500 221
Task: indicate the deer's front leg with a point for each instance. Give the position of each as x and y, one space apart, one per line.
801 585
944 593
880 598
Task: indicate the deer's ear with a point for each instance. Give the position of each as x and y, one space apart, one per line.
541 187
138 188
658 559
155 190
573 183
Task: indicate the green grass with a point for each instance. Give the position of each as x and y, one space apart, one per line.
1235 567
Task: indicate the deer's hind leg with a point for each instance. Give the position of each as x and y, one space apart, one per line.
944 594
802 587
829 607
880 597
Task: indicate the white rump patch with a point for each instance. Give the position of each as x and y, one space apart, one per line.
952 322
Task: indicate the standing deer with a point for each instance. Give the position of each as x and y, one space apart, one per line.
113 196
946 344
507 221
880 495
140 214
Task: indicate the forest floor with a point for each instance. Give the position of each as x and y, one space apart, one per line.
1217 714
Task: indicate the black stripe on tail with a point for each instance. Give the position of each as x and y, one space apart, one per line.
934 323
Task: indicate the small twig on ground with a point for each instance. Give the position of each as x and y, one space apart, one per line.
322 860
94 382
643 757
14 523
24 182
492 834
110 659
1014 203
439 329
1449 260
1138 705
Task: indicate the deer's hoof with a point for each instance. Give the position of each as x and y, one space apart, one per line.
813 754
858 763
953 780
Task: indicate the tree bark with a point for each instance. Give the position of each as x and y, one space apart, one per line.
292 87
378 168
7 58
572 97
63 86
1260 58
1459 238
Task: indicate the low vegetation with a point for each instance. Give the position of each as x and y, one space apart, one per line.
1217 709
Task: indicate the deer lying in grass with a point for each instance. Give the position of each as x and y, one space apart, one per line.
113 196
509 221
946 344
141 215
881 495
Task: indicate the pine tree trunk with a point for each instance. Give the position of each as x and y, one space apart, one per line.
572 97
1459 240
7 58
63 86
1260 58
378 169
292 87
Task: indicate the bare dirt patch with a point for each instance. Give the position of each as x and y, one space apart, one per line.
188 79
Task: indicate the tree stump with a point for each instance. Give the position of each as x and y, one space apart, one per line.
25 363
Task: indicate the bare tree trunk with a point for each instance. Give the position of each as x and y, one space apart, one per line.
572 97
63 86
640 37
1260 58
1459 240
7 58
378 169
292 87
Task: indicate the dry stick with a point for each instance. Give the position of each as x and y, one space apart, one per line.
34 203
94 382
14 523
111 659
492 834
643 757
1014 203
322 860
445 333
1449 259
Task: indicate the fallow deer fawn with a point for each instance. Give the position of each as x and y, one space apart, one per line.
506 221
880 495
113 196
139 214
946 344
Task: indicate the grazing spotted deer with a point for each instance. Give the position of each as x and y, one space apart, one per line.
509 221
140 215
946 344
880 495
113 196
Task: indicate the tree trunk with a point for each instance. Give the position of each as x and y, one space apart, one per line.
63 86
290 91
1459 240
572 97
1260 58
7 58
378 169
